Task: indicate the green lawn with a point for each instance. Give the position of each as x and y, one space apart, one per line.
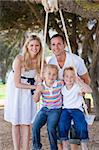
2 91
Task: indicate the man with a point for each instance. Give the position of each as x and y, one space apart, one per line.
63 59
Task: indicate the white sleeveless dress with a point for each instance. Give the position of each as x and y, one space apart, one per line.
19 105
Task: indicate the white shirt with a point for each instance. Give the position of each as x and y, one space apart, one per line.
71 98
79 64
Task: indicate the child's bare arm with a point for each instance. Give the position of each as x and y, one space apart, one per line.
36 96
37 93
85 88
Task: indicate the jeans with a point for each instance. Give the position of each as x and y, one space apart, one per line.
51 117
80 124
73 138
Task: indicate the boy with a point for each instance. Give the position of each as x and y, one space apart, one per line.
72 109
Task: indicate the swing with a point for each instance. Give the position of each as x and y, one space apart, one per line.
51 6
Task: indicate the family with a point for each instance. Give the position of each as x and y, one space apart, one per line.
61 97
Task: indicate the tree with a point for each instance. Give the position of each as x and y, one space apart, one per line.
95 72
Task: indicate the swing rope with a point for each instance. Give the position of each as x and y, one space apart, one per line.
47 10
44 46
70 51
43 52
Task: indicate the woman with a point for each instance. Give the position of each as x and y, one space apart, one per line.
20 107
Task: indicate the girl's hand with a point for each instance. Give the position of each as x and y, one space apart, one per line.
38 79
39 88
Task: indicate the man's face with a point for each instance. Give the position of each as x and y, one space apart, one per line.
57 46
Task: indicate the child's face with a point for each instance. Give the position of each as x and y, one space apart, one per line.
69 77
50 75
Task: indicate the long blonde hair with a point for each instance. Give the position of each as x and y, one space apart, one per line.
27 59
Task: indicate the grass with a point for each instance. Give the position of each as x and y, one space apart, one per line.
2 91
89 96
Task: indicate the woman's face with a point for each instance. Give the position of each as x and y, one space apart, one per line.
33 47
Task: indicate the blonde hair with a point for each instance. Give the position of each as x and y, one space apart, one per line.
51 66
68 68
27 59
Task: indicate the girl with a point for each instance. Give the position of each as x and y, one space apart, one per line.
51 110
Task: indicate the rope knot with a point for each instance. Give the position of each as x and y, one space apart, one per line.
50 5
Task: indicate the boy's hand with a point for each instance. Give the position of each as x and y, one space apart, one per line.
79 80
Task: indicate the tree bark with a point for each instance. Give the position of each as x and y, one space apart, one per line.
95 73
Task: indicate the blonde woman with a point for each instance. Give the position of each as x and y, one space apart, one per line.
20 107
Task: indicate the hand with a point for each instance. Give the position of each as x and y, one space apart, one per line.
81 93
38 79
39 88
84 87
79 80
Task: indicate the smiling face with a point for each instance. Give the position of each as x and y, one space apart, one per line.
69 77
33 48
50 75
32 53
57 46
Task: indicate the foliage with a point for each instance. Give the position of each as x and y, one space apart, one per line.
18 17
9 44
88 6
16 14
2 91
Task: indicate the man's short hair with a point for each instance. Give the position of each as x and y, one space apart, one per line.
58 35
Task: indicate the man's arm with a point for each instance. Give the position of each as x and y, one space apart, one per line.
85 77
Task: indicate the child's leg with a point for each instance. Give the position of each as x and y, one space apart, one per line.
65 145
16 136
63 128
84 145
52 122
80 124
38 123
25 134
60 146
64 124
74 140
74 146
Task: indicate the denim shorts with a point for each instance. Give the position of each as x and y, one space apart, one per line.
80 124
73 139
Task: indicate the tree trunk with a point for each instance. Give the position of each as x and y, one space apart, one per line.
95 73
